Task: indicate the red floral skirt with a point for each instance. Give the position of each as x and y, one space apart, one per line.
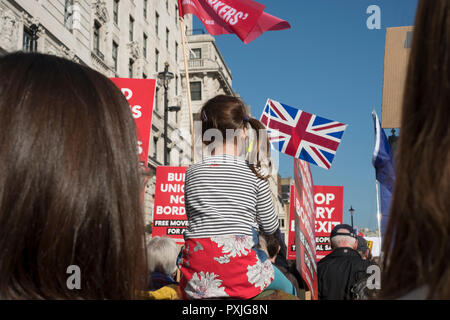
224 267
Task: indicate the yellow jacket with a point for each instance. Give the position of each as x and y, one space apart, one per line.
169 292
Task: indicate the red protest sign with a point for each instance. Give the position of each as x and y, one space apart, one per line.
329 201
291 233
140 94
169 215
305 243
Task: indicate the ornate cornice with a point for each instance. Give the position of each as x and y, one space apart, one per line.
29 21
100 11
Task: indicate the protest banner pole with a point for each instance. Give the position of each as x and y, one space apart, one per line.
378 210
188 86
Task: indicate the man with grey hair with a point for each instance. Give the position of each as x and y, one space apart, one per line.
340 270
162 253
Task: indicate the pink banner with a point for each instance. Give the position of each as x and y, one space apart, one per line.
246 19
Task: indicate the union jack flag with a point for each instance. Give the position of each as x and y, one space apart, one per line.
301 134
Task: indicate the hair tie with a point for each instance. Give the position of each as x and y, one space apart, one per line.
246 118
204 117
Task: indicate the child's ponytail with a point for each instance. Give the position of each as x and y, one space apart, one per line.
258 149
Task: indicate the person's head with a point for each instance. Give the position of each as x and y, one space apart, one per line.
362 248
417 240
69 183
342 236
225 122
162 253
272 245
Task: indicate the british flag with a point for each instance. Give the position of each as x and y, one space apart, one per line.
301 134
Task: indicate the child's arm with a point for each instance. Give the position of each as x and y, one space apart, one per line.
266 217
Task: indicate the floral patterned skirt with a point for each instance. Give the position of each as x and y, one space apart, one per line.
224 267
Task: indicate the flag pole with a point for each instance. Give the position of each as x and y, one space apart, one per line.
378 208
188 87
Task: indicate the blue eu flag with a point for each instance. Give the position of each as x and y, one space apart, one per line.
383 161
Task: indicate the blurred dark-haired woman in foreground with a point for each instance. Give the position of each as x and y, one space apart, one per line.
69 183
417 241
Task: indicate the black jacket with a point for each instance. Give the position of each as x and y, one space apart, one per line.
339 271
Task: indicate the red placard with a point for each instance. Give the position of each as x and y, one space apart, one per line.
169 214
291 233
302 203
140 94
329 201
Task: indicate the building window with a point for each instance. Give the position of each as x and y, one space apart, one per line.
167 5
156 59
144 46
196 90
131 36
156 98
408 40
68 15
155 147
176 52
176 85
176 15
281 223
196 116
156 23
167 38
169 153
145 8
195 54
29 43
116 12
130 68
144 76
115 50
97 38
180 158
285 192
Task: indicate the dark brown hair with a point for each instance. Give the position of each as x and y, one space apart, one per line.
69 183
273 243
417 240
227 112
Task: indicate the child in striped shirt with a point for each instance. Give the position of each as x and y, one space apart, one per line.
227 200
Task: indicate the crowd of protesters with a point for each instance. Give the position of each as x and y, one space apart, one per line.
70 190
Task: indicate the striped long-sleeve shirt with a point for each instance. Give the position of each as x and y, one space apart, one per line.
224 197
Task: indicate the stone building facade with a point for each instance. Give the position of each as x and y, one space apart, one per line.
279 204
208 74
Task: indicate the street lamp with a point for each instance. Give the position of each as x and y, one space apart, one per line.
351 210
164 79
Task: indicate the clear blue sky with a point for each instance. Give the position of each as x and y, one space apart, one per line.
330 64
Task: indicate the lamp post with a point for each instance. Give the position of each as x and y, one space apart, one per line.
351 210
164 79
